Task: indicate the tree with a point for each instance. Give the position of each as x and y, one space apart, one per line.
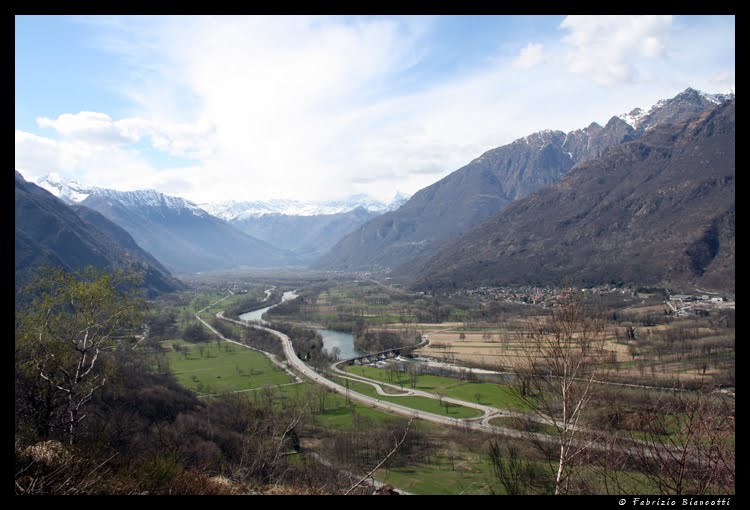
564 353
336 352
517 476
62 331
687 443
196 333
440 396
413 371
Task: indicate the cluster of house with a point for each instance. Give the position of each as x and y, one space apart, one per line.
694 305
687 298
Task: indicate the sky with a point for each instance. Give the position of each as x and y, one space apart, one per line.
214 108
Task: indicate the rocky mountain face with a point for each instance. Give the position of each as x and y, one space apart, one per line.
453 204
683 106
49 232
484 187
659 210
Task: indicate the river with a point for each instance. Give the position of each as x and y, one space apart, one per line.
344 341
340 339
256 315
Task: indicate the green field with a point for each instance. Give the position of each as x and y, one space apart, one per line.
342 416
222 367
429 405
499 396
467 472
447 473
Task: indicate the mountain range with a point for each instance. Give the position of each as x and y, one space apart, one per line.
659 210
233 211
647 198
290 232
184 237
307 229
49 232
483 188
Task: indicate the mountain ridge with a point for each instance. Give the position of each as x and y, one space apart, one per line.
658 210
50 232
489 183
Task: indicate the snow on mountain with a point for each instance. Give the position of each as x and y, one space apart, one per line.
718 98
399 199
150 198
67 190
640 118
232 210
633 117
72 192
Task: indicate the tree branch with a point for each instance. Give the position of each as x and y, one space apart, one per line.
368 475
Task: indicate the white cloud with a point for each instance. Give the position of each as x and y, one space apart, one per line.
315 107
530 56
36 155
608 48
98 129
91 127
105 165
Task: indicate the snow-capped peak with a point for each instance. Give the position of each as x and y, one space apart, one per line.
67 190
397 201
639 117
71 192
150 198
234 210
633 117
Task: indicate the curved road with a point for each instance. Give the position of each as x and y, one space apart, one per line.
273 358
478 423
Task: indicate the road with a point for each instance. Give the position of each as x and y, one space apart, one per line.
270 356
480 424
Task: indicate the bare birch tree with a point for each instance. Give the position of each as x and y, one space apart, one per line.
562 358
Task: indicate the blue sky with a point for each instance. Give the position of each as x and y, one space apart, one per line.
259 107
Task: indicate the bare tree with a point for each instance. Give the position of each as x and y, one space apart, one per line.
563 355
336 352
413 371
516 475
687 443
385 459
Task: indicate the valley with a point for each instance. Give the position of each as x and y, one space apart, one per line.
556 316
471 382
